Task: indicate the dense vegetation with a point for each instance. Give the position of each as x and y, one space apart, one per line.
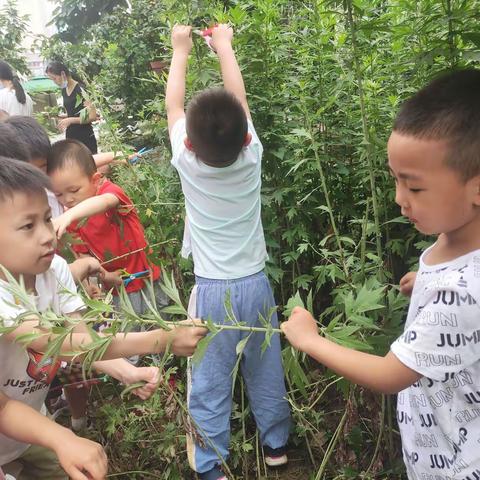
325 79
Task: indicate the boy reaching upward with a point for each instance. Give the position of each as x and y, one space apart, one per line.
434 157
217 154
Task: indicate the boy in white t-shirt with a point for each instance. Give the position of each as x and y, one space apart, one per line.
27 251
217 154
434 157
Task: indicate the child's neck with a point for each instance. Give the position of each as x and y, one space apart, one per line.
28 280
454 244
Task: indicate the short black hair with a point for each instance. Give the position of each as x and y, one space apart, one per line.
448 108
20 177
216 126
67 152
11 145
32 134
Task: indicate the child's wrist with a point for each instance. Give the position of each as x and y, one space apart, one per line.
181 51
224 46
59 434
313 345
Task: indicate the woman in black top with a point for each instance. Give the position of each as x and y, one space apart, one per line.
80 113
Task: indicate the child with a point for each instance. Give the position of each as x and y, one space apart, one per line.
27 132
113 228
27 250
23 138
76 455
218 157
35 138
434 156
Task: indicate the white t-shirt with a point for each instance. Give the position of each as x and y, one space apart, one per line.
224 232
9 103
19 378
439 416
55 206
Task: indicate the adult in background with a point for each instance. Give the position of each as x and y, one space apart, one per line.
80 113
13 98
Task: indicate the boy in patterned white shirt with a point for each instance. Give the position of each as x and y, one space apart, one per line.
434 156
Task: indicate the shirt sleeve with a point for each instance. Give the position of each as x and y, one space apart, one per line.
126 204
255 144
69 300
9 310
444 335
177 138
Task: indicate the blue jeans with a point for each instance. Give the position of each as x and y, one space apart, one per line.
210 386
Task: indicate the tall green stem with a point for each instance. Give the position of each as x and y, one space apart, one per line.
326 194
366 134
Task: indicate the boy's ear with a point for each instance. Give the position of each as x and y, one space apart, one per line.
476 190
248 139
96 177
188 144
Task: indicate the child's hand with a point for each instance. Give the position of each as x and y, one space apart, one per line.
300 329
113 279
183 340
61 223
151 375
407 283
221 34
85 267
81 459
182 38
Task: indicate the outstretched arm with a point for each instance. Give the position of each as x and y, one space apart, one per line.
87 208
382 374
222 36
182 339
76 455
175 92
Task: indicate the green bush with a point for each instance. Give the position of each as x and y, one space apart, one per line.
324 81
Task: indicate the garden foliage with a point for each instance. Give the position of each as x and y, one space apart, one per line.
324 81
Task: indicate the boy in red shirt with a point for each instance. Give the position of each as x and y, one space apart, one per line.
112 232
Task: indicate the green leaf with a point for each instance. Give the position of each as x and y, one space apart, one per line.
295 301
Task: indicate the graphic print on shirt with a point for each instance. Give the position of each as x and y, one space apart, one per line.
41 372
439 415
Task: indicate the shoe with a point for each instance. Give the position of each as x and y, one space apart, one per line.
214 474
275 457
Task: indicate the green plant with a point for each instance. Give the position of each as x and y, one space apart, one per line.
13 28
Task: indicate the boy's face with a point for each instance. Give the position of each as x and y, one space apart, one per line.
71 185
431 195
27 238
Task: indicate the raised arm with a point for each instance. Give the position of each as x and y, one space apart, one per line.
222 36
87 208
175 92
382 374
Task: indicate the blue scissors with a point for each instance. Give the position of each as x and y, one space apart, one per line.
142 151
133 276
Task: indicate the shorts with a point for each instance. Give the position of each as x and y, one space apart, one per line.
36 463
